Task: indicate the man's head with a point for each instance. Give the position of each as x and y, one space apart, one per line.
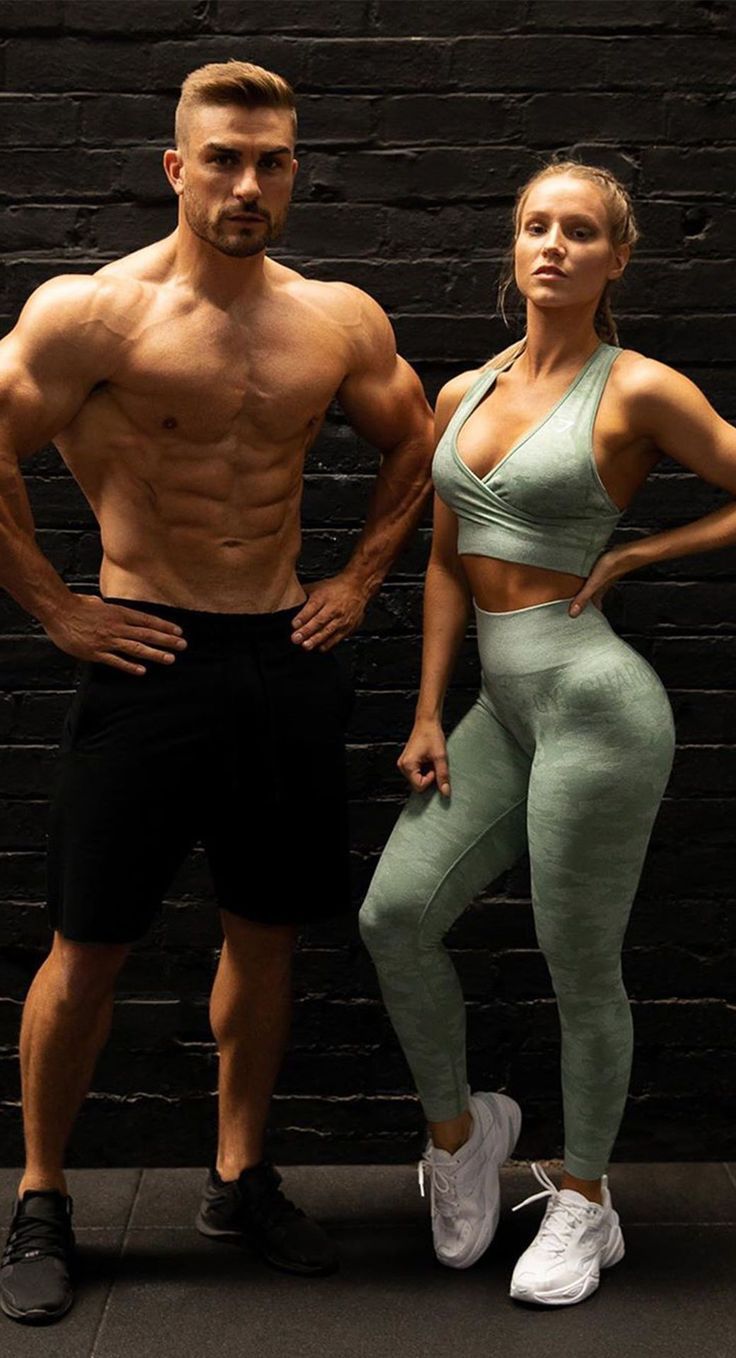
235 127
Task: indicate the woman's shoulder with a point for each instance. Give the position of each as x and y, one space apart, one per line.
638 377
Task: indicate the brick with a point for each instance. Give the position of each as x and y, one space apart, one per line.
69 173
627 14
690 171
37 120
30 16
298 16
343 230
529 63
701 117
450 118
143 178
42 228
383 65
126 17
83 65
697 63
117 229
550 119
116 119
438 19
433 175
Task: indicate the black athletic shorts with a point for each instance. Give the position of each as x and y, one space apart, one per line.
239 743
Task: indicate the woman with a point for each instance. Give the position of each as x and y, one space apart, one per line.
568 748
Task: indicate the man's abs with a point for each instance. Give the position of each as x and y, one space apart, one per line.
191 454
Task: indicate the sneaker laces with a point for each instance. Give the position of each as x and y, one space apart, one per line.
560 1218
443 1187
33 1236
264 1199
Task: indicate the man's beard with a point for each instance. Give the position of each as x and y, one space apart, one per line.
229 240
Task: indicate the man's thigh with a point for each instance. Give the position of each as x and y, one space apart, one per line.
123 807
277 831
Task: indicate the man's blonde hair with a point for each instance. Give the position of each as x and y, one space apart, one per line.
231 82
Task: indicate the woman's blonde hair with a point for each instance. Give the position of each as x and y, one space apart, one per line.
623 230
231 82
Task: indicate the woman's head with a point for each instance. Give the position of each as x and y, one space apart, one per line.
579 219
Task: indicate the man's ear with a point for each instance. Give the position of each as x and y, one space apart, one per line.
173 163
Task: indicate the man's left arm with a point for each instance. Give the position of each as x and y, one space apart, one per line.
385 404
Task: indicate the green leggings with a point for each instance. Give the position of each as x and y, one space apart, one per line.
566 752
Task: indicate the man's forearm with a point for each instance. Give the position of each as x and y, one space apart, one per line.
398 499
25 572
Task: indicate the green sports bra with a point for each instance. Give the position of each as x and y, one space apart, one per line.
544 503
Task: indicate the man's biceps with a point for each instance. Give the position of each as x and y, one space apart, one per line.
32 411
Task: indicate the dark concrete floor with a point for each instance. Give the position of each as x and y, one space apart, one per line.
154 1288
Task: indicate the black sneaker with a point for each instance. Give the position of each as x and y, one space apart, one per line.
39 1258
252 1209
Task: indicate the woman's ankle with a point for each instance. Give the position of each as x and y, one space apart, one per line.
451 1135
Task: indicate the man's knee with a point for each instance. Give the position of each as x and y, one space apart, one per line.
256 943
85 972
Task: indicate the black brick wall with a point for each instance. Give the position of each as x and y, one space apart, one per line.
417 123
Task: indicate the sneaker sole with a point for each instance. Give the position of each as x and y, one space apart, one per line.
35 1317
226 1237
613 1254
512 1112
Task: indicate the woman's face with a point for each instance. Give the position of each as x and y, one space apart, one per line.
564 229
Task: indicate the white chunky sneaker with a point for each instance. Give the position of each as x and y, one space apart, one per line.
575 1240
465 1186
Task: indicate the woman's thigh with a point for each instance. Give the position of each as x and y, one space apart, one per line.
603 757
443 850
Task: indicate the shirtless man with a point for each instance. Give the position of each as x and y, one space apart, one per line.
183 386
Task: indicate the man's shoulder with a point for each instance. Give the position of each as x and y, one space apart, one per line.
73 304
340 302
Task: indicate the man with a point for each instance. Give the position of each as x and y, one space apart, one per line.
183 386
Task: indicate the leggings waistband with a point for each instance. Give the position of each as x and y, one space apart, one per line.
524 640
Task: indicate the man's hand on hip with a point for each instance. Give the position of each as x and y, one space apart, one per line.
91 629
334 608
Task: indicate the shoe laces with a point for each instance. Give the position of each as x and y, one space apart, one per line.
560 1218
32 1237
443 1186
265 1200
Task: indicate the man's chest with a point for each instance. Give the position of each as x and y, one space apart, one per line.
205 381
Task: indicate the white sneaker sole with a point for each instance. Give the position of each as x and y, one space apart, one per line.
571 1293
505 1112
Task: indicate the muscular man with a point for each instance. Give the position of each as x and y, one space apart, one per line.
183 386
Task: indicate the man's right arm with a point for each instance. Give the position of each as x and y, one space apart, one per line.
66 340
49 363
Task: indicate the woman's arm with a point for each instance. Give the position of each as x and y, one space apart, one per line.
668 409
675 414
447 604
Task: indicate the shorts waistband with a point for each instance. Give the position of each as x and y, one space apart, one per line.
205 623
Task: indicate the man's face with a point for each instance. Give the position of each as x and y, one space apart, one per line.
237 176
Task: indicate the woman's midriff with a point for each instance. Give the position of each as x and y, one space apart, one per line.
500 586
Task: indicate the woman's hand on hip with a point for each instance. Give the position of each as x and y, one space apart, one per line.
606 571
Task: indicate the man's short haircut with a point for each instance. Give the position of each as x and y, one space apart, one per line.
231 82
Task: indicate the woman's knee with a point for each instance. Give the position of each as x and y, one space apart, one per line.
388 916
